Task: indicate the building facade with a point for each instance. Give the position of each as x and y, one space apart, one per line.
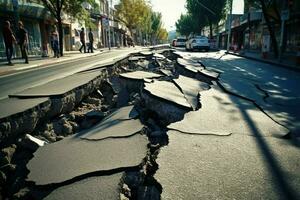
249 32
39 23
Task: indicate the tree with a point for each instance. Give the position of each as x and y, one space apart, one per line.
186 24
138 14
146 22
162 34
207 12
156 25
73 8
132 13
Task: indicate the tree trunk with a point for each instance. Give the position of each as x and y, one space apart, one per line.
270 28
210 30
60 34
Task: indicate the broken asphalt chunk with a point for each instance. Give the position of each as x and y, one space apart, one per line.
167 91
112 129
191 88
120 123
140 75
12 106
166 100
74 157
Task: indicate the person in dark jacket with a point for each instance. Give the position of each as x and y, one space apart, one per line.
82 40
22 36
9 39
91 41
55 43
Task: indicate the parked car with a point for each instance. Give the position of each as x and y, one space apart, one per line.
197 43
180 42
173 43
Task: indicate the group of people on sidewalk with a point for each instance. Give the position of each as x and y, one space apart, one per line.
83 43
21 39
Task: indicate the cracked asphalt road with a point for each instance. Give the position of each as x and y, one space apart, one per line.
229 137
234 146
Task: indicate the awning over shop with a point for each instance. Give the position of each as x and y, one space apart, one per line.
33 10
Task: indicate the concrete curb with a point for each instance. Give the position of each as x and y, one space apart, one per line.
291 67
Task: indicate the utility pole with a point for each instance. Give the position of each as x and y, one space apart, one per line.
284 16
108 14
229 27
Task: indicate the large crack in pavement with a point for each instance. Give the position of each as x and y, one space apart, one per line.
143 133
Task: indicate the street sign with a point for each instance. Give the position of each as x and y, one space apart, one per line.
285 15
105 22
237 7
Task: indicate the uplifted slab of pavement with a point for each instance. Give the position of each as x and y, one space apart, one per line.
118 124
11 106
94 188
126 112
224 114
113 129
234 167
190 66
140 75
60 86
191 88
167 91
184 62
74 157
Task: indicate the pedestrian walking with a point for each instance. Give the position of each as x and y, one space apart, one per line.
91 40
55 43
9 39
82 40
22 36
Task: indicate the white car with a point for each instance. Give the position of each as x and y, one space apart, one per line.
180 42
197 43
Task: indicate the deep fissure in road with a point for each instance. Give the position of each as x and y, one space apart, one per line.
128 102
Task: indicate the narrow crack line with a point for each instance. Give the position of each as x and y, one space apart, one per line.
201 63
181 90
265 136
221 56
109 172
263 91
232 93
262 110
199 134
112 137
255 104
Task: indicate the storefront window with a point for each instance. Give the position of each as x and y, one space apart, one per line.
292 36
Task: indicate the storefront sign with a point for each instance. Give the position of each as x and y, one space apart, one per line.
285 15
105 22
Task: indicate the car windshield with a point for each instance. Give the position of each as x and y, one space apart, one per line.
181 40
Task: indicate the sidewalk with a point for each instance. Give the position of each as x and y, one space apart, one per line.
43 61
286 61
